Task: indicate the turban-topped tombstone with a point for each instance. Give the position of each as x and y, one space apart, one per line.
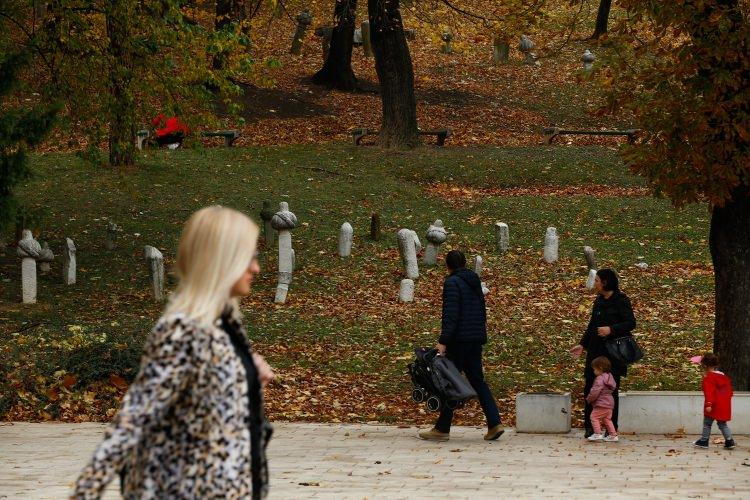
69 262
588 60
304 19
436 236
28 249
284 221
526 46
45 257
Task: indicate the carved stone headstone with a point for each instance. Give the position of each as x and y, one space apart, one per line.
526 46
447 38
406 291
28 249
550 245
436 236
590 280
284 221
375 227
478 262
304 19
155 262
590 255
408 246
69 262
45 257
502 236
500 50
588 60
266 214
112 230
346 234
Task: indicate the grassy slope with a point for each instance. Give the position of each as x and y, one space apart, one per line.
342 340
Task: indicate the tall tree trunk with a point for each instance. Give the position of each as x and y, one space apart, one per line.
395 73
337 69
602 18
122 108
730 250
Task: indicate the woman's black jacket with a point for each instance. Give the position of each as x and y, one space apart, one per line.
614 312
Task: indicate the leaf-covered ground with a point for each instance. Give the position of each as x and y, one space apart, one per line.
342 341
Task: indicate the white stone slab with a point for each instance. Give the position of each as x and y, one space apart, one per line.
668 412
547 412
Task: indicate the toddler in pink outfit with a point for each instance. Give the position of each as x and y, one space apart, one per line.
601 399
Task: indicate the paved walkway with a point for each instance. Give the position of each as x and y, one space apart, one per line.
365 461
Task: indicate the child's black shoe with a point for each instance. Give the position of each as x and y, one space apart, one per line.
729 444
701 443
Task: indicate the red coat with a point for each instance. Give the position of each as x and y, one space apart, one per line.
168 126
717 389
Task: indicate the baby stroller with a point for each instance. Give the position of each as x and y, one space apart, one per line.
437 381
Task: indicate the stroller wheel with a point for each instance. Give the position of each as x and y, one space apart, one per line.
433 403
452 404
418 395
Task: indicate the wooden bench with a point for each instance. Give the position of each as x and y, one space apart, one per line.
442 134
551 132
229 136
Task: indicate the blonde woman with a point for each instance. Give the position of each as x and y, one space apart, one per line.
191 425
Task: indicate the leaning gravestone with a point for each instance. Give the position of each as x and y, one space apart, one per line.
550 245
69 262
28 249
284 221
406 290
526 46
590 255
45 257
346 234
436 236
408 246
155 261
304 19
591 279
478 261
502 236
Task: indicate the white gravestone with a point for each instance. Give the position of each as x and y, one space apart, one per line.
408 246
29 250
478 261
284 221
155 261
590 255
502 236
550 245
436 236
69 262
346 234
406 291
591 279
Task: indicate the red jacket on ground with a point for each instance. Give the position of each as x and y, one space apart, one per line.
169 126
717 389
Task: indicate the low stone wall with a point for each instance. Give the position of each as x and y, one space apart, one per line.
667 412
543 412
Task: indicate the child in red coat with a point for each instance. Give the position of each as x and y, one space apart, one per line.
717 390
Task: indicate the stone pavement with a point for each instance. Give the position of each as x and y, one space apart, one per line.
370 461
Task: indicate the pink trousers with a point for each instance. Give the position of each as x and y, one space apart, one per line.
597 415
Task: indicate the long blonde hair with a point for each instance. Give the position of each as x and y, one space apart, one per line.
216 247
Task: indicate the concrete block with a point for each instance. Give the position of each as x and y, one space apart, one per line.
543 412
668 412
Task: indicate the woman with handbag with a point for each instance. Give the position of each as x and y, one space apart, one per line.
191 424
611 318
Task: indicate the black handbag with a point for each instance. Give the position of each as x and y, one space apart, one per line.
624 350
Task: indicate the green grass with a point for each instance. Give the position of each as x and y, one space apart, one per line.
342 324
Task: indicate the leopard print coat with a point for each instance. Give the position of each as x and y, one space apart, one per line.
182 430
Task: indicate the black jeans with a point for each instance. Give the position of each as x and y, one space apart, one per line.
468 359
588 374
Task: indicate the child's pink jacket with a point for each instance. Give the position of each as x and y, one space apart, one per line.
601 392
